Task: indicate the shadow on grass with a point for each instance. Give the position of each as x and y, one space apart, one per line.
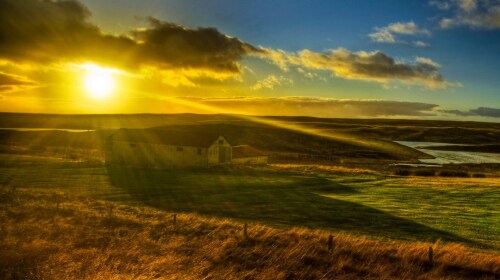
266 197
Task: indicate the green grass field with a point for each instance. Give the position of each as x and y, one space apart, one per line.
467 207
350 200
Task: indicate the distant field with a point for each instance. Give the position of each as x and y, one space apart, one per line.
459 132
350 200
280 143
285 139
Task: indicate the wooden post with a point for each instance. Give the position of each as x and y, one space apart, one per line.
330 242
110 210
431 255
245 231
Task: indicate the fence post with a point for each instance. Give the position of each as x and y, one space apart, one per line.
431 255
245 231
110 210
330 242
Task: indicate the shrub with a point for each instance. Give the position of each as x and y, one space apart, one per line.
37 148
449 173
402 172
425 172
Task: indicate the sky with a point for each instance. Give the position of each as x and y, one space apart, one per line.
435 59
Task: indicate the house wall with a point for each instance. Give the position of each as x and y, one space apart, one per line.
251 160
214 152
155 155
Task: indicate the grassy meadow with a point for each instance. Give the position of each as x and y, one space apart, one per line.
354 200
51 234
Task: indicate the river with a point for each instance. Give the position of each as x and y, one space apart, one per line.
450 157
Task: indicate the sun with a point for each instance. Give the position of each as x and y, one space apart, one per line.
99 82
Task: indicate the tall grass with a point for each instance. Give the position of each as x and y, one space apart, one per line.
49 235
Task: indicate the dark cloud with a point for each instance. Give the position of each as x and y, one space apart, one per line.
45 31
481 111
13 80
319 107
34 31
172 45
9 82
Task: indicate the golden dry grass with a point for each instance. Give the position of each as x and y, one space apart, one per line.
314 168
49 235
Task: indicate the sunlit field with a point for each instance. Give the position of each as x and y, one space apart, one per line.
71 236
349 200
63 218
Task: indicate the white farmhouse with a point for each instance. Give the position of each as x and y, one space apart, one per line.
137 147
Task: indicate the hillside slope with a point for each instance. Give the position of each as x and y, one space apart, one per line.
283 141
277 141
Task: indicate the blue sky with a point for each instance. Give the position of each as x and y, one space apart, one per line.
450 46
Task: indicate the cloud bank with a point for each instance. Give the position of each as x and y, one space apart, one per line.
482 14
318 107
373 66
44 32
480 111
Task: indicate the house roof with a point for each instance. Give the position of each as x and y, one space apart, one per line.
166 137
244 151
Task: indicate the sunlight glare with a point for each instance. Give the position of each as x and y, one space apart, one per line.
99 81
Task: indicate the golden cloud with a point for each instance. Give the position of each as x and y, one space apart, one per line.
471 13
388 33
367 66
271 82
